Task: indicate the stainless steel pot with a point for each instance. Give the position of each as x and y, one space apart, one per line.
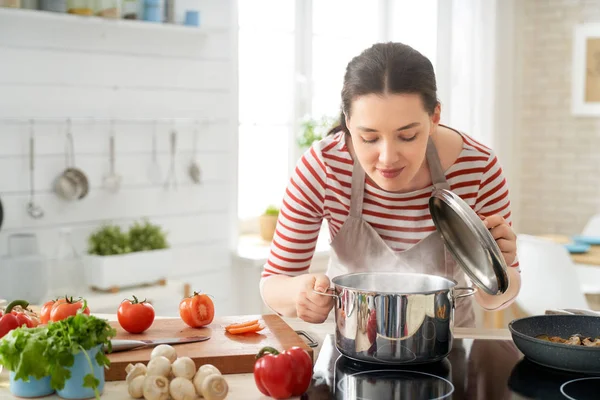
394 317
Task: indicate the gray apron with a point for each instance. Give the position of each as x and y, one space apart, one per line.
357 247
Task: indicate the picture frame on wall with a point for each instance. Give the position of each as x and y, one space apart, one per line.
585 92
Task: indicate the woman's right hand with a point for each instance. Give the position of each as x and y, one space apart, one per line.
310 306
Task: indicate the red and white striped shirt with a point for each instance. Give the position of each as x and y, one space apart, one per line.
320 189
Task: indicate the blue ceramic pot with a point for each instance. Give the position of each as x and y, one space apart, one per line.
32 388
74 385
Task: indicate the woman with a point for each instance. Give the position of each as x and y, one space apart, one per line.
371 179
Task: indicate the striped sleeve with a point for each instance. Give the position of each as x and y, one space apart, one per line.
300 218
493 195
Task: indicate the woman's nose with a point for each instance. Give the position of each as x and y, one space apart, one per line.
388 153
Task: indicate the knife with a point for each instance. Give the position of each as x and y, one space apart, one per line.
124 345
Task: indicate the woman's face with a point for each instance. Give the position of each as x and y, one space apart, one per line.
389 135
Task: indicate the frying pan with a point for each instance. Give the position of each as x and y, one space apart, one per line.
580 359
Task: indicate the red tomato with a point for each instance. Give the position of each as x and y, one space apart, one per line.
197 310
46 309
65 308
135 316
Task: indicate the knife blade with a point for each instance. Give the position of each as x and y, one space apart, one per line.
126 344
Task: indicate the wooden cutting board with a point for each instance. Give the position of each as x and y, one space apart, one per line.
231 354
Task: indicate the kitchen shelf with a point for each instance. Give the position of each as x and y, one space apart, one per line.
107 22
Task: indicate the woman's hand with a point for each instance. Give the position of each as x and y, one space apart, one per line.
312 307
504 236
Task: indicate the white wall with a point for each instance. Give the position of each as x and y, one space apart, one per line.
54 67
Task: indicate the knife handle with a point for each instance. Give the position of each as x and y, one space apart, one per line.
123 345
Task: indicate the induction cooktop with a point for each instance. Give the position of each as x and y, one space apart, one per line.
474 369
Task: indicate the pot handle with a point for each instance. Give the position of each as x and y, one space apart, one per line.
470 291
330 295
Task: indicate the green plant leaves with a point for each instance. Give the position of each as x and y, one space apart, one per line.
141 236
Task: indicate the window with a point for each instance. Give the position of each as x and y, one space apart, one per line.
292 59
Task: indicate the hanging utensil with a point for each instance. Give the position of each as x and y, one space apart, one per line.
72 183
194 168
33 210
154 172
171 178
112 181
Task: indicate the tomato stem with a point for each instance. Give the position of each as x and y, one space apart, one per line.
23 303
267 350
136 301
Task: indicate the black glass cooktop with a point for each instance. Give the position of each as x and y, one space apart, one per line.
474 369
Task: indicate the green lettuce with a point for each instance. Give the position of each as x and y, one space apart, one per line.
51 350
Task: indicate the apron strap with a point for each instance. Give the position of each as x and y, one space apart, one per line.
357 190
435 167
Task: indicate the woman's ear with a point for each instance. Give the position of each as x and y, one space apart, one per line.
435 118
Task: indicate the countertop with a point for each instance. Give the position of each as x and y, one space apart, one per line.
242 386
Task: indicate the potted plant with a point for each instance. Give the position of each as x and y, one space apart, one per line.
118 258
268 223
312 130
66 356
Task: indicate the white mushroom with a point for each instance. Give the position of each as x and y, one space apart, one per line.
136 387
184 367
182 389
214 387
166 351
156 388
159 366
129 367
203 372
135 371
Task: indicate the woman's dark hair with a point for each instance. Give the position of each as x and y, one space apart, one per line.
388 68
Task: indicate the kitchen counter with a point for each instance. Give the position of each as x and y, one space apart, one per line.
242 386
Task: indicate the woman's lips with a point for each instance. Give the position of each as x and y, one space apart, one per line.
390 173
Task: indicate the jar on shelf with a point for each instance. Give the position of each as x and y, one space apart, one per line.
30 4
10 3
80 7
131 9
153 10
59 6
66 272
108 8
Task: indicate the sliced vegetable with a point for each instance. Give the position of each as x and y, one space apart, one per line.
241 325
283 375
197 311
66 307
246 329
135 316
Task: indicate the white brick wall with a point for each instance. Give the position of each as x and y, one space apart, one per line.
54 67
560 157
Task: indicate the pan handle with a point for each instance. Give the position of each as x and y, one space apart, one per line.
339 300
470 291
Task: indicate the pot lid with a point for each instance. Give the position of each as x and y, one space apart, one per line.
469 241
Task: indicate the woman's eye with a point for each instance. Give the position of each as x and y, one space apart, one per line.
409 139
369 140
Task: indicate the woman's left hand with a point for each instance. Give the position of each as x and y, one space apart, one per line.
504 236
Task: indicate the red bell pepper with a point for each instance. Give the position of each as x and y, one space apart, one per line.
283 375
12 319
